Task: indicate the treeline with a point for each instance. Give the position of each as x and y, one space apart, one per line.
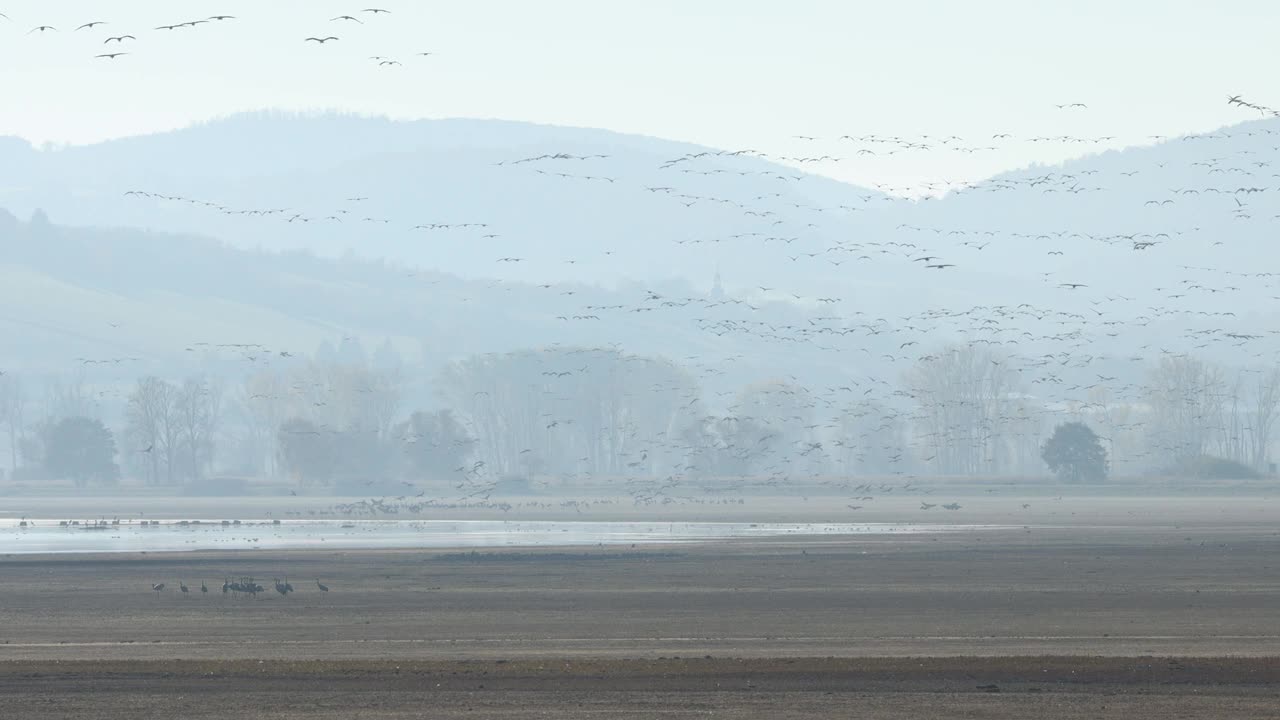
601 415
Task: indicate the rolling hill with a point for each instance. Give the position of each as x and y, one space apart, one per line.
459 236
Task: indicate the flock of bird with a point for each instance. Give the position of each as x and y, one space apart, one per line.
1049 345
101 34
889 413
878 399
245 586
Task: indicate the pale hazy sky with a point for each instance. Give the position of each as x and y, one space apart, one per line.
726 73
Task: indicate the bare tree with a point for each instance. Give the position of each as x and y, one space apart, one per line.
261 403
964 393
68 397
355 408
780 415
197 408
432 444
154 427
1021 431
871 439
1262 420
347 397
13 405
1232 436
383 392
574 410
1186 396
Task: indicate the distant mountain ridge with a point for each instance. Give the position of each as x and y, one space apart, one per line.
639 217
73 294
415 173
1125 233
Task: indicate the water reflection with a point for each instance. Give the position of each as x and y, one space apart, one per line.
52 536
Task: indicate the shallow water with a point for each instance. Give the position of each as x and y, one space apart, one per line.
48 536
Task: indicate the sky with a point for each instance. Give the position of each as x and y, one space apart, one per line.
725 73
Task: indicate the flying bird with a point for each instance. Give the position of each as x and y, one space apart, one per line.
119 38
322 40
111 56
91 25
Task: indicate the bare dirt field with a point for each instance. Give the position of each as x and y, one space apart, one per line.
1081 622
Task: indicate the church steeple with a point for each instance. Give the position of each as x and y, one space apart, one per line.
717 290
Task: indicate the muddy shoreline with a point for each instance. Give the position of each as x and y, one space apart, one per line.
1145 622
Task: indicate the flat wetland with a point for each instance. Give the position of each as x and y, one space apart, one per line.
1116 615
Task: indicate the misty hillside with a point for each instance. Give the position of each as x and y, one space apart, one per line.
463 197
427 173
1209 200
289 231
165 301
